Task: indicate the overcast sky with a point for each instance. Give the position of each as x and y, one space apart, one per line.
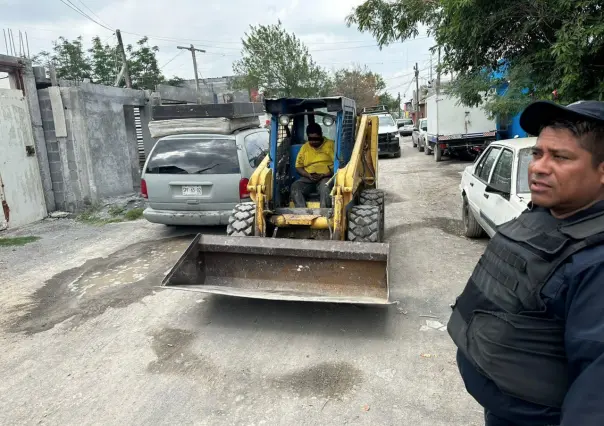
218 26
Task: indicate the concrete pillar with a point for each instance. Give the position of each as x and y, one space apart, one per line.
31 95
132 146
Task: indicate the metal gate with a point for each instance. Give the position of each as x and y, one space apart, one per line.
21 192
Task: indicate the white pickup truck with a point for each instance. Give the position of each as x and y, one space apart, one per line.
457 130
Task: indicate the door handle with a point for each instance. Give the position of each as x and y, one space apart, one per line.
471 183
485 195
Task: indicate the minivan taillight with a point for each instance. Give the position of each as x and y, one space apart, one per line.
144 189
243 192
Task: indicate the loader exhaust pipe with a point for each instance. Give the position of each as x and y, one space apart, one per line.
284 269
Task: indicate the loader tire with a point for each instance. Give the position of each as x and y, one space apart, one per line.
364 224
241 220
375 197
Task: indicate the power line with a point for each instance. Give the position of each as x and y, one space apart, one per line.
175 56
92 11
73 7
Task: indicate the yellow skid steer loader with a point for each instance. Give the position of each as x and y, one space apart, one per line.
274 250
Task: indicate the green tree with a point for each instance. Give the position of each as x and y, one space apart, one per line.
142 65
547 45
105 63
279 64
69 58
391 102
101 63
358 83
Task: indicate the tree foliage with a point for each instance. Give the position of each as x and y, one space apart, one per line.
69 58
542 45
358 83
101 63
279 64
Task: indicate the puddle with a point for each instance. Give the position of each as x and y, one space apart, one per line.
447 225
116 281
328 379
174 355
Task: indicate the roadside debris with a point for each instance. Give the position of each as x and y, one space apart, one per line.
59 215
433 325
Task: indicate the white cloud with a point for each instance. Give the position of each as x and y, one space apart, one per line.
218 26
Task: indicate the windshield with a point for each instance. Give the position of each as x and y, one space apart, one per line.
386 120
194 156
424 125
405 122
525 156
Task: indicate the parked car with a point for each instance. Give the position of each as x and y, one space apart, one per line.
495 189
388 141
420 133
405 126
197 179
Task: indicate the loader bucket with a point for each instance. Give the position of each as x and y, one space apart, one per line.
284 269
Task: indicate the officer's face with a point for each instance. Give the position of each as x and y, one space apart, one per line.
561 174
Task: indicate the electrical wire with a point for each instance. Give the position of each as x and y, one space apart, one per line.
73 7
92 11
175 56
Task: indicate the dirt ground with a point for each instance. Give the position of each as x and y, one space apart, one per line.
89 338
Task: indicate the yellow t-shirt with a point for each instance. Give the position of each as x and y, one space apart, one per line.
317 160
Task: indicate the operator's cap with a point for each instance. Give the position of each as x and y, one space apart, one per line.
541 113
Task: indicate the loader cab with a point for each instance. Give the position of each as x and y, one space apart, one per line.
289 119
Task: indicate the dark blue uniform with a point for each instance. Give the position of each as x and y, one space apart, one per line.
574 294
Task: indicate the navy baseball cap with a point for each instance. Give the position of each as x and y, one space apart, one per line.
541 113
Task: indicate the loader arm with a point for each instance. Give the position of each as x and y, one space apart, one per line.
360 170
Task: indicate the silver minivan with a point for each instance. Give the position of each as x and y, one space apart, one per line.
197 179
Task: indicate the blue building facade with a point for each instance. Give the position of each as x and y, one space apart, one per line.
507 127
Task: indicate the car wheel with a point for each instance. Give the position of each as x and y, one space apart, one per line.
420 147
427 149
414 141
472 228
438 152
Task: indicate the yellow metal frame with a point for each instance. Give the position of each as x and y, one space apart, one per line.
361 171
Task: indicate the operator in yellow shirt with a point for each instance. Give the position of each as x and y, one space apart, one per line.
315 166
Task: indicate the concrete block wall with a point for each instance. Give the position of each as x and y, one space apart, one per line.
98 158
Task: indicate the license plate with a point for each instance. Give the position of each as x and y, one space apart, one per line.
192 190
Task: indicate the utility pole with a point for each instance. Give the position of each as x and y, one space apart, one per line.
416 93
438 73
399 105
193 50
437 92
124 72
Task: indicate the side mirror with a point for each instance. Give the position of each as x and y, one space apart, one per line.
495 190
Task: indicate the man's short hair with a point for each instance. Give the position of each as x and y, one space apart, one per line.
314 129
589 134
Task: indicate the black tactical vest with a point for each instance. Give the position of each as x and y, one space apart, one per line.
500 322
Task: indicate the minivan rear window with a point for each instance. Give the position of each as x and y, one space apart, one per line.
202 156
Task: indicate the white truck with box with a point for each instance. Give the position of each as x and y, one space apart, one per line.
456 130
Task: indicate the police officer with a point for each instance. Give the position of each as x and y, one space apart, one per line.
529 325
